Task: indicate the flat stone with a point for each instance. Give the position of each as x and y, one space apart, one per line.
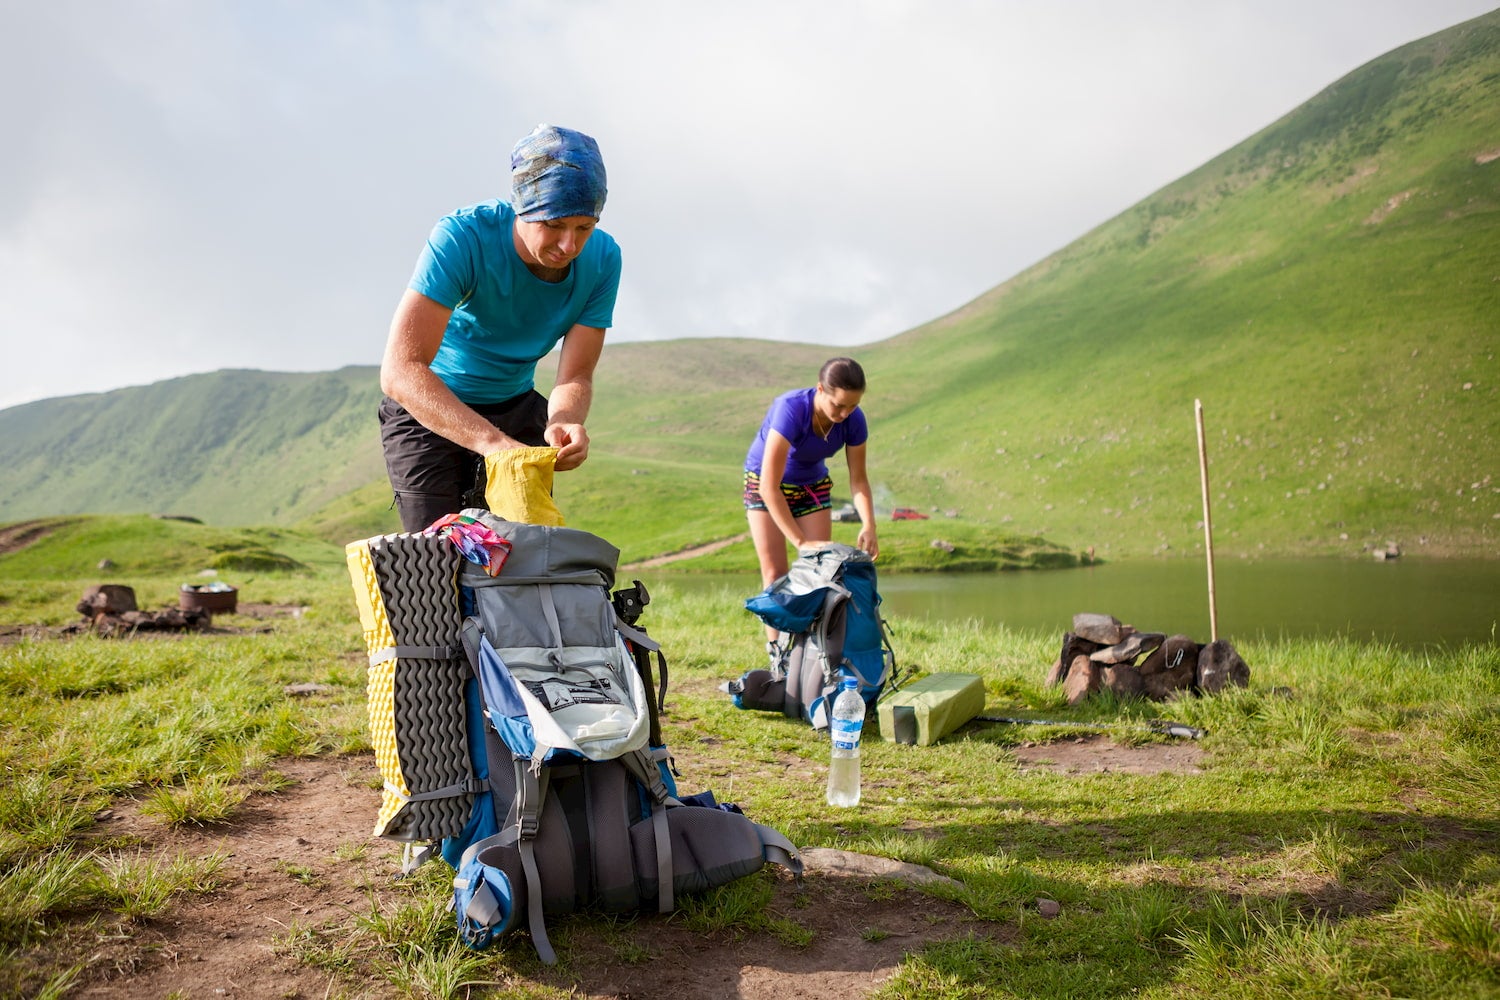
832 861
1103 629
1133 646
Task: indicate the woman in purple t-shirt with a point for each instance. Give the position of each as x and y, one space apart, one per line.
787 485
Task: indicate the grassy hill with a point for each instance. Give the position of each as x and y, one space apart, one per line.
1328 288
231 447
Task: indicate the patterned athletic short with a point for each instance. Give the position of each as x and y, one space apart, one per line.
803 500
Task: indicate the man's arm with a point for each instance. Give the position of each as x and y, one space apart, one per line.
405 376
572 395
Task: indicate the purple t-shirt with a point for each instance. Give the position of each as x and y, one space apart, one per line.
790 416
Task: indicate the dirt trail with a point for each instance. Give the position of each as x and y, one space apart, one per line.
689 553
23 533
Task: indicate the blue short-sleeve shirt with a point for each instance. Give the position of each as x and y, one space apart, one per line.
505 318
790 415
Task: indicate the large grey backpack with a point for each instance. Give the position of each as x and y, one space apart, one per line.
579 807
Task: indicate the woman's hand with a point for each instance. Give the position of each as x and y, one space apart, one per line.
867 542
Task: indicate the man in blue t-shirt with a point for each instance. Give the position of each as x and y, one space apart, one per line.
496 287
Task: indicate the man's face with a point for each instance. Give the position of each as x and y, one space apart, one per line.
554 242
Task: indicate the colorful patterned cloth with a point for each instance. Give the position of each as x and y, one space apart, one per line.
477 543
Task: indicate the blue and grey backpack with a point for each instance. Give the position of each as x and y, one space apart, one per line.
523 739
827 611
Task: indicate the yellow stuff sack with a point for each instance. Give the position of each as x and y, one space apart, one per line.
406 589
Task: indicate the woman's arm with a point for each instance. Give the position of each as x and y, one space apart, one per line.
859 486
772 468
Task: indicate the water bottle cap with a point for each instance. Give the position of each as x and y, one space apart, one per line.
850 684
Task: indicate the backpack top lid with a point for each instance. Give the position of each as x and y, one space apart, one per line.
793 602
544 554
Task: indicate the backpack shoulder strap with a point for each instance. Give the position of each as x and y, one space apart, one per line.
531 791
644 770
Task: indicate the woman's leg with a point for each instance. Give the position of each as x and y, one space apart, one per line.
770 552
817 526
770 546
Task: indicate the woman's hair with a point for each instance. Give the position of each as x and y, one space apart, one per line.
842 373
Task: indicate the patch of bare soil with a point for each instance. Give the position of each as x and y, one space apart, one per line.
1100 754
305 857
283 871
292 863
259 612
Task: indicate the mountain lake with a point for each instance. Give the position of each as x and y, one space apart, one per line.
1409 602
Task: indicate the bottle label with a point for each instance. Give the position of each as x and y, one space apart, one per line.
845 733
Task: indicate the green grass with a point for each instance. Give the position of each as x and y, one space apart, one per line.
1340 839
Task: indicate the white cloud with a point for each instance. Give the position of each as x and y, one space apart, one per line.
197 185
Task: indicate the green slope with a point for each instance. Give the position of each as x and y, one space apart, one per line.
1329 289
231 447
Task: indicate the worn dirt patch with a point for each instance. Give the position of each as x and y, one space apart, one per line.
1100 755
258 612
305 858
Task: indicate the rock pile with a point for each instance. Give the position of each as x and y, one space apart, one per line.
109 609
1100 653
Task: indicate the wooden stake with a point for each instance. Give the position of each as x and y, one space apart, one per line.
1208 525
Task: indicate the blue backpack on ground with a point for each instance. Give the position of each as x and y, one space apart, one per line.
827 611
570 800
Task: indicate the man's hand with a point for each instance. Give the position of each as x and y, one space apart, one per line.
571 442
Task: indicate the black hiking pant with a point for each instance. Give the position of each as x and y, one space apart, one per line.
430 475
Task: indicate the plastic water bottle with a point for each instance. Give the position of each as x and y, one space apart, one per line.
844 725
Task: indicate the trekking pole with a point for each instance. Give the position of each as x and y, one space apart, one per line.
1162 726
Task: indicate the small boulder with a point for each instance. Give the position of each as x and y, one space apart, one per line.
1220 665
1055 674
1083 680
1123 679
1171 653
1073 646
107 599
1171 679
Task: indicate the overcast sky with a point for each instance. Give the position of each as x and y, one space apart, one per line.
189 185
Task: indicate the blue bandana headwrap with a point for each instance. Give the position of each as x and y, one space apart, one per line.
556 172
